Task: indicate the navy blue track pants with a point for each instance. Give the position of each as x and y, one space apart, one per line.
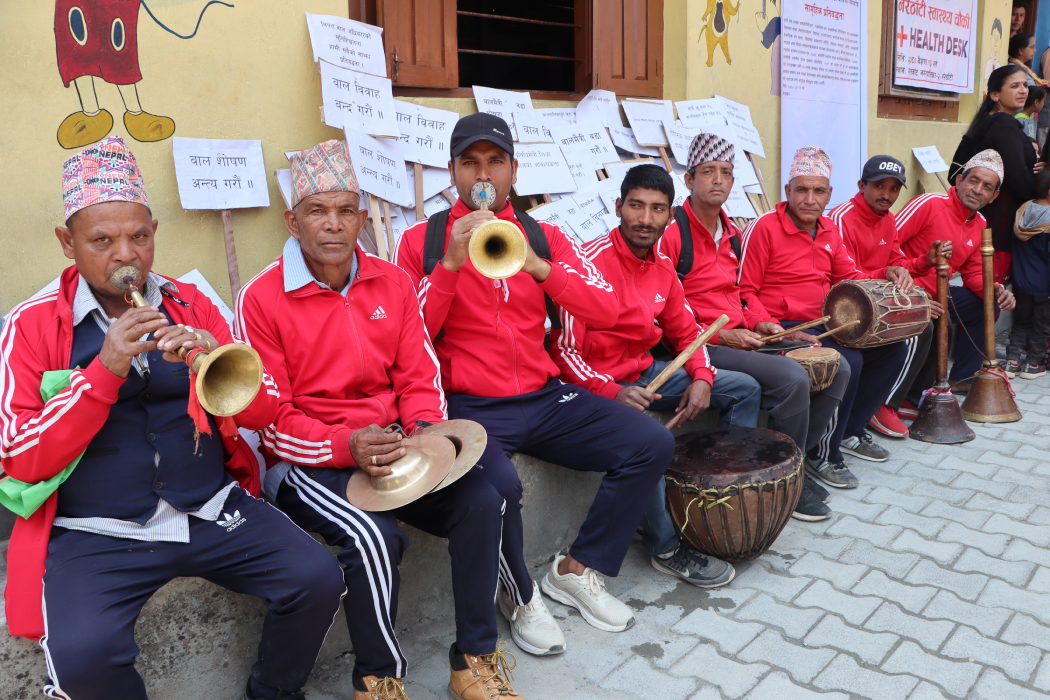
569 426
469 513
95 587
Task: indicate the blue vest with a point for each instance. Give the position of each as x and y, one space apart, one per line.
118 476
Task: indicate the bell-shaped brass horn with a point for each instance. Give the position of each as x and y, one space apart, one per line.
228 378
497 248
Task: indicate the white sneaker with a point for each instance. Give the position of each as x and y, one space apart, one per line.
532 626
588 595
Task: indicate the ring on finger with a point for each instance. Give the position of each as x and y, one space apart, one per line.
374 463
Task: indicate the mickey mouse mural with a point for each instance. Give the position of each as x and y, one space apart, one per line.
99 39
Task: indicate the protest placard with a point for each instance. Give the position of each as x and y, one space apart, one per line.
930 159
647 119
347 43
739 116
588 139
738 204
700 113
435 180
284 184
502 103
599 106
358 101
563 214
617 170
592 207
425 133
558 115
220 174
379 167
541 170
623 138
531 127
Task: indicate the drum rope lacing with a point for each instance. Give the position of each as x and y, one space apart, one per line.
720 496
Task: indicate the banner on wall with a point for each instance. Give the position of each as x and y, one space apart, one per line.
935 44
823 87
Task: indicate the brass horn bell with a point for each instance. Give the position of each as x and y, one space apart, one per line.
497 248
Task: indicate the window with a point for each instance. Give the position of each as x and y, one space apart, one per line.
897 102
553 48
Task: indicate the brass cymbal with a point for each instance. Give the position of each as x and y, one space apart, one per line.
469 438
428 460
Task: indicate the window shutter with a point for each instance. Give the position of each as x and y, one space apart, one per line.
629 47
420 41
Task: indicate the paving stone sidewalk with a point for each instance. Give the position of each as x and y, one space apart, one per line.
932 580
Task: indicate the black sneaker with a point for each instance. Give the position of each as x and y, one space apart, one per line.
819 491
693 567
1011 367
1031 371
835 474
810 508
864 447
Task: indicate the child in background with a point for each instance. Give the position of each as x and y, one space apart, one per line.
1031 270
1030 114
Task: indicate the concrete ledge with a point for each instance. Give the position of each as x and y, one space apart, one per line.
199 640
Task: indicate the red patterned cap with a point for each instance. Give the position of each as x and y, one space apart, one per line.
324 168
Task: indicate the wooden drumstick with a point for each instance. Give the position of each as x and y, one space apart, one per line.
800 327
840 328
684 356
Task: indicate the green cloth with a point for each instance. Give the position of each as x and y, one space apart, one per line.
19 497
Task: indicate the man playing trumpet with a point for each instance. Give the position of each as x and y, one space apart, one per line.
342 331
150 480
489 336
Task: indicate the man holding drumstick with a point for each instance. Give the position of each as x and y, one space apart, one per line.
614 362
708 266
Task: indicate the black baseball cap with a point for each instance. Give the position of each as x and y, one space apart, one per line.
480 127
882 167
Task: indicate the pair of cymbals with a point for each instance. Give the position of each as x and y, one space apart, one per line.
437 456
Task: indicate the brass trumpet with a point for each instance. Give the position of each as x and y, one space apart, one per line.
228 378
497 248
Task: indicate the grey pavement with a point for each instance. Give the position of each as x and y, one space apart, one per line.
932 580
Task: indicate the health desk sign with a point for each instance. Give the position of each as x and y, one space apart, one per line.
936 44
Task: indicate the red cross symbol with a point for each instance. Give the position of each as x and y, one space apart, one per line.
902 36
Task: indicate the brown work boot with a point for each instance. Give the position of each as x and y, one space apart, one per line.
373 688
483 677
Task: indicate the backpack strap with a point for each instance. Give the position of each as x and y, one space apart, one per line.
540 244
734 243
434 245
685 258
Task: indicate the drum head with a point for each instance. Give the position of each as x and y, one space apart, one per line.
715 459
812 354
846 303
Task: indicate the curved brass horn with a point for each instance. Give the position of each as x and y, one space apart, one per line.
497 248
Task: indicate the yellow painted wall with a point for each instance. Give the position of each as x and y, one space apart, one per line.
248 74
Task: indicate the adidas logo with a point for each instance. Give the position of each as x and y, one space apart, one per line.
566 398
378 314
827 247
882 242
231 522
970 242
659 299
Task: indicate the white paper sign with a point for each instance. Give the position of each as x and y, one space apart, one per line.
558 115
531 127
425 133
930 159
220 174
647 120
195 277
561 213
624 139
589 139
434 181
593 208
681 137
379 167
700 113
618 171
599 106
435 204
739 116
542 169
347 43
607 189
358 101
738 204
502 103
284 183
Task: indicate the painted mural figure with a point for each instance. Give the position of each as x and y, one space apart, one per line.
717 28
99 39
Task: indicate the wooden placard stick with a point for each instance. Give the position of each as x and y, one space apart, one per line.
377 225
231 253
667 161
533 202
757 202
800 327
943 183
389 228
547 199
367 238
448 195
601 174
418 168
761 180
684 356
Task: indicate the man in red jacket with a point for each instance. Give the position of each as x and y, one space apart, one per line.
148 498
376 367
869 232
615 362
955 219
703 246
791 257
495 367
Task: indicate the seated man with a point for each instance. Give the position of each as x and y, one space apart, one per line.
495 367
791 257
141 505
614 362
955 218
703 245
869 232
373 366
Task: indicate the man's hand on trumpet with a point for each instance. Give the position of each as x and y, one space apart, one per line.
463 228
171 338
123 342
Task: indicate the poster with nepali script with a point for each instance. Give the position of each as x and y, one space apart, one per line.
219 173
935 43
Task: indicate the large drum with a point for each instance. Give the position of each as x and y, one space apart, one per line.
822 364
886 314
732 490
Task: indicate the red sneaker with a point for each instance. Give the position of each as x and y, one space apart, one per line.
908 410
886 422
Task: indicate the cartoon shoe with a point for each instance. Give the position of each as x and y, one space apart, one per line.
78 129
148 127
